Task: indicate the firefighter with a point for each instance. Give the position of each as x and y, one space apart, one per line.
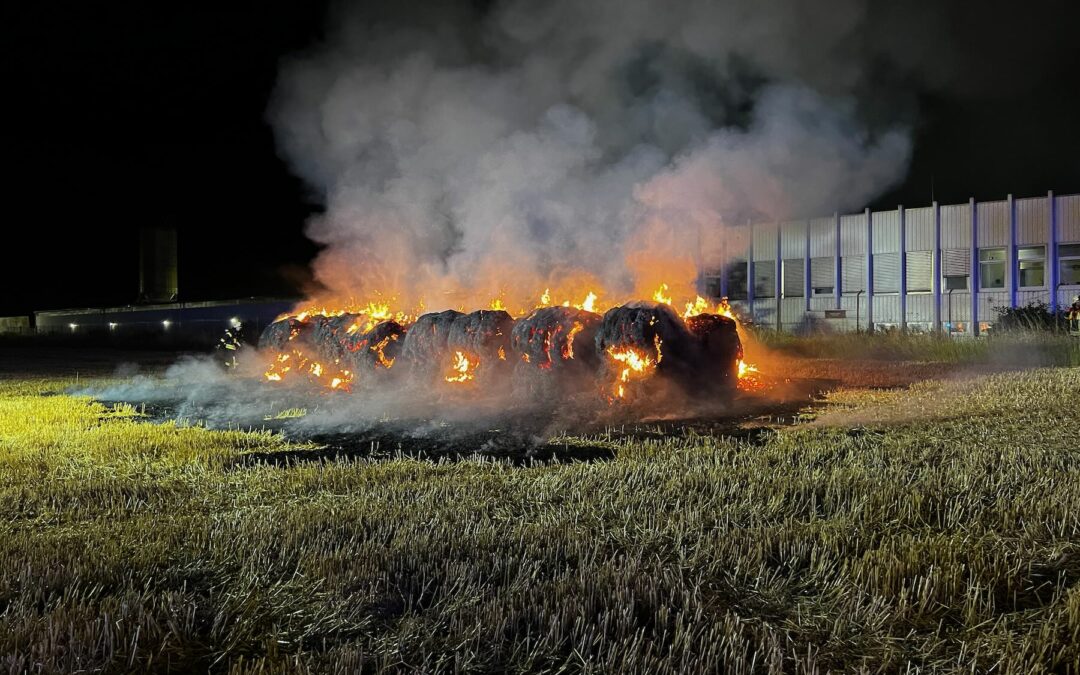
1073 315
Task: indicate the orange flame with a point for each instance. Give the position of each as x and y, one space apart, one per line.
462 370
635 366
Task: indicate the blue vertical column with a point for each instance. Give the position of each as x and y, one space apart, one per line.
806 272
903 268
838 276
975 281
725 267
1010 255
869 272
750 272
936 281
779 278
1052 254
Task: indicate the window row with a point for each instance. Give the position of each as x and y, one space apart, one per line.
919 271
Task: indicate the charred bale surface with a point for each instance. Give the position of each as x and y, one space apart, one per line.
719 351
278 334
700 355
293 333
554 338
425 345
335 338
651 329
379 347
483 333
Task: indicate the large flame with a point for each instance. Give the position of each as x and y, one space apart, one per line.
634 366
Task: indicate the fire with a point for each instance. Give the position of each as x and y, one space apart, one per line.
379 349
568 351
574 293
328 375
462 369
661 295
635 366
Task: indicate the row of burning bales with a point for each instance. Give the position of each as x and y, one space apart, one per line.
624 351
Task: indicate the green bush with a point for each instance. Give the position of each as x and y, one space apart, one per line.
1032 316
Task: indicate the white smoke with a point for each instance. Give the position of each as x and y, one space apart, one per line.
463 157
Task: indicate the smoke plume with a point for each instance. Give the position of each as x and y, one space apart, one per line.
466 154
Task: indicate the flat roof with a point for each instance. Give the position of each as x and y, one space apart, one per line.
165 306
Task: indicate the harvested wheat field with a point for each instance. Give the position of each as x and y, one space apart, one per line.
935 526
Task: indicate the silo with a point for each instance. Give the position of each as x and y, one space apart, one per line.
157 265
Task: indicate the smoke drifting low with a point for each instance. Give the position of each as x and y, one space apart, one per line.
463 155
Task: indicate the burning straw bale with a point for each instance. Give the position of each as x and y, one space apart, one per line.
425 343
335 338
719 350
485 333
640 338
379 347
554 338
338 340
458 342
279 334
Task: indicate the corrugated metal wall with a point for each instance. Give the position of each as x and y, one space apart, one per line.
1033 221
938 277
1068 218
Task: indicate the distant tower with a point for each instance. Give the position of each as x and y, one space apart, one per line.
157 265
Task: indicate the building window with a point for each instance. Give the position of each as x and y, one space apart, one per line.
765 279
920 271
886 273
794 277
853 272
822 276
956 282
955 268
1031 261
736 280
992 262
1069 264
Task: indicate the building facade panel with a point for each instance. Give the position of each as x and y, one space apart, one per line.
920 311
993 218
886 231
1033 221
955 307
793 239
887 310
765 241
956 226
822 237
853 234
919 229
792 314
1068 218
988 301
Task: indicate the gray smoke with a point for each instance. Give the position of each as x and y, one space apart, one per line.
462 155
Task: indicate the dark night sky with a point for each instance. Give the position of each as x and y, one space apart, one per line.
123 115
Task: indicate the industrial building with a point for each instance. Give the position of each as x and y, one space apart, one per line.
188 322
160 318
938 267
